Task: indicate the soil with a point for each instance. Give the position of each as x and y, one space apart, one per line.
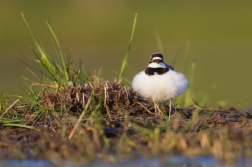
117 122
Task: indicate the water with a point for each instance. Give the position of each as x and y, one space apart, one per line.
172 161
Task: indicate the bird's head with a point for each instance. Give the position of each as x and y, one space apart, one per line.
156 58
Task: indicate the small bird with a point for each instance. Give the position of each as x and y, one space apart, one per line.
160 82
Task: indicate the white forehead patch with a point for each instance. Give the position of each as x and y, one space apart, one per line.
156 65
156 58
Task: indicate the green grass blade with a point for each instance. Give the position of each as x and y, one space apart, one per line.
41 51
22 126
36 69
196 103
58 50
69 61
125 61
125 79
45 58
249 115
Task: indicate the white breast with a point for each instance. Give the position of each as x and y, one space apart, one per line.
160 87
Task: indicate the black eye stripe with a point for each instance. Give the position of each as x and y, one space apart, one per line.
156 61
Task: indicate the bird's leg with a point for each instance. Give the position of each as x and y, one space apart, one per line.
174 107
157 108
170 108
170 105
159 111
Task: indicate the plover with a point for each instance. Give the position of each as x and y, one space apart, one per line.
160 82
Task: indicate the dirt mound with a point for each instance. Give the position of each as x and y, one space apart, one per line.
118 121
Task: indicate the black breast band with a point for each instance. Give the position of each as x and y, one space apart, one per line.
152 71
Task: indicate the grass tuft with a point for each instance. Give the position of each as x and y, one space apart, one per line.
59 72
126 57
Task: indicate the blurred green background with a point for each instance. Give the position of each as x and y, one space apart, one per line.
216 36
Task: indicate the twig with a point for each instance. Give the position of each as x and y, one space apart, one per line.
105 100
145 108
77 97
82 114
83 100
9 108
